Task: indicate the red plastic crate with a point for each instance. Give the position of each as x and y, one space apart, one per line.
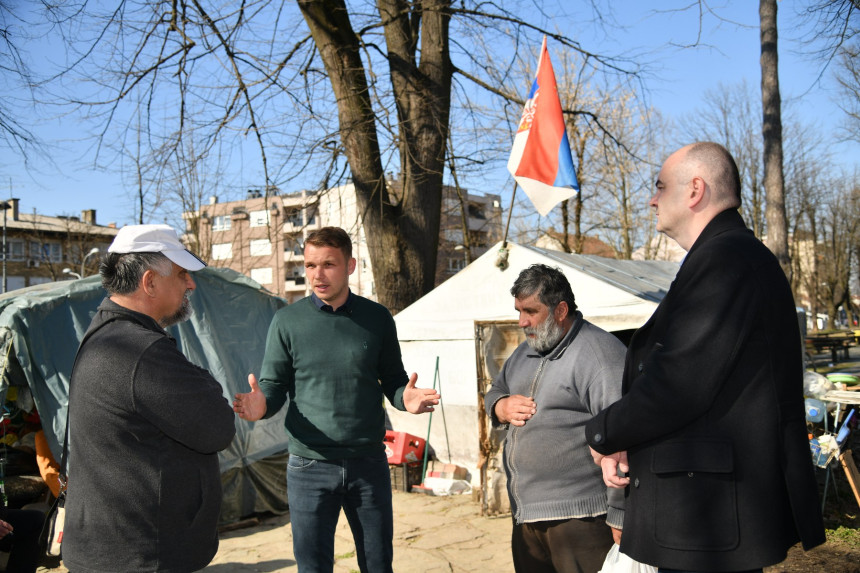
402 448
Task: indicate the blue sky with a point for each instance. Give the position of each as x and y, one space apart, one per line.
728 55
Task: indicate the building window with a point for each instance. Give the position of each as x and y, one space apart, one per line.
260 218
222 251
456 264
292 245
261 247
454 236
262 276
15 250
476 211
221 223
46 252
14 283
294 217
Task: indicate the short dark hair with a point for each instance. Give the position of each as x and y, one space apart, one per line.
727 178
121 272
331 237
549 283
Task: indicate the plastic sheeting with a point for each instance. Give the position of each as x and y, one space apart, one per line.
41 327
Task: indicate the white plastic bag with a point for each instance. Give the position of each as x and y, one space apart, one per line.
617 562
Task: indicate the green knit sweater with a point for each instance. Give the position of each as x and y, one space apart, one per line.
335 369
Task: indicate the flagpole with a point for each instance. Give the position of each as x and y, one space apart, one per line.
502 260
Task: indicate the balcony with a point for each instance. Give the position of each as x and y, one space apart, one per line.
293 225
294 256
294 284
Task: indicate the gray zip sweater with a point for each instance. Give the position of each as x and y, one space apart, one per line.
550 471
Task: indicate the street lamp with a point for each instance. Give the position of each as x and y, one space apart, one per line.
93 251
68 271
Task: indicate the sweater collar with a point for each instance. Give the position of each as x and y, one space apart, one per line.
345 307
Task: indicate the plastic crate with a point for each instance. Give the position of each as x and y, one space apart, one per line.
403 448
404 476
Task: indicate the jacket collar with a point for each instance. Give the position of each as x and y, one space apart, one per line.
109 310
728 220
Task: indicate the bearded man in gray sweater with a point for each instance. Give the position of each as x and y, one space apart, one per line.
567 370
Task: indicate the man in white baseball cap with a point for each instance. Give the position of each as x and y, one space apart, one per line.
146 424
155 239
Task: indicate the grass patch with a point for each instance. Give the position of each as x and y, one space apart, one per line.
345 555
847 535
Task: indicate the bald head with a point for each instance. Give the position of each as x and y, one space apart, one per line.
717 166
696 183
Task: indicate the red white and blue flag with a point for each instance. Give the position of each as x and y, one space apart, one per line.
541 161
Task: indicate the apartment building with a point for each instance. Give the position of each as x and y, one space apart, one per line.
263 237
42 249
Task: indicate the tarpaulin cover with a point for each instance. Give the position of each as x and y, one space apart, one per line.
41 327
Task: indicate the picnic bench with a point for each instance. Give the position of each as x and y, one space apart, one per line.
834 342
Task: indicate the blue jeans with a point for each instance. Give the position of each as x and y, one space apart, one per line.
318 489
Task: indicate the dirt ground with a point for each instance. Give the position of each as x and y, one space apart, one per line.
447 533
441 534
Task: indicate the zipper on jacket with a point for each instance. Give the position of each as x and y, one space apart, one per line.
512 439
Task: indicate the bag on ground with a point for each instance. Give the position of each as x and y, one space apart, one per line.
617 562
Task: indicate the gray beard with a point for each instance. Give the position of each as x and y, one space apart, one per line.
547 334
181 315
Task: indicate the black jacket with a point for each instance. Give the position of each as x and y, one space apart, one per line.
145 429
712 415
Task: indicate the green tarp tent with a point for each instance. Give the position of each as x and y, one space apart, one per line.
41 327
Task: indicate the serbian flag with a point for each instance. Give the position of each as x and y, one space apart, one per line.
540 161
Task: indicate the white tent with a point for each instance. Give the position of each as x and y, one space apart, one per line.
449 325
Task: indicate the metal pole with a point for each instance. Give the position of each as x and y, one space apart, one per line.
5 208
93 251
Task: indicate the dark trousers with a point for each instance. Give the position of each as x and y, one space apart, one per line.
23 542
563 546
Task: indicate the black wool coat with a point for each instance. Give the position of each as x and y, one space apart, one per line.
712 416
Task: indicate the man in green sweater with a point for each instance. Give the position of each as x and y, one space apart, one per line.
335 355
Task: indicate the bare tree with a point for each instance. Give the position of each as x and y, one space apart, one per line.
223 75
421 83
729 116
14 69
848 77
620 212
807 196
839 237
774 185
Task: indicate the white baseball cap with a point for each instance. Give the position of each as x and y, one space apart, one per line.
155 239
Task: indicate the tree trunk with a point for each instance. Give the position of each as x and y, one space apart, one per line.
777 237
565 226
402 232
